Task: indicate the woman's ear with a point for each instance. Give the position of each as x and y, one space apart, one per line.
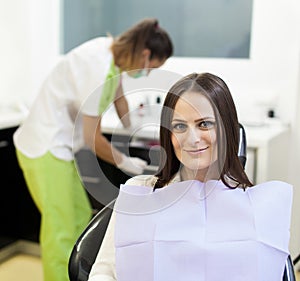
146 53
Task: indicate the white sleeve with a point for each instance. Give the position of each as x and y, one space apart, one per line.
142 180
104 267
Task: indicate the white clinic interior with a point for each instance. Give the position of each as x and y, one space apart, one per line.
270 78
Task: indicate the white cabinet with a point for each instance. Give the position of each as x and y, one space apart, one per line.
267 152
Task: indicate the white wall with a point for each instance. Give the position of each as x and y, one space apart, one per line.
15 50
294 169
29 31
272 72
30 47
44 39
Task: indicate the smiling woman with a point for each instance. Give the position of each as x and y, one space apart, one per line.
200 201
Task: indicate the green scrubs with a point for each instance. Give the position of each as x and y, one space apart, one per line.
110 86
56 189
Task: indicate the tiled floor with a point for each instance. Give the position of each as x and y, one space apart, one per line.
29 268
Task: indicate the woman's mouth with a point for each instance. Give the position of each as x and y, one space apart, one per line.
196 151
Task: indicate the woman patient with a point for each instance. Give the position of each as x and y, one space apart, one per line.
199 218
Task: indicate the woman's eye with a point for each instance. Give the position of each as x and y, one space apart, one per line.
206 124
179 127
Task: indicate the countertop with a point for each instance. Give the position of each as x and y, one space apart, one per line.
11 118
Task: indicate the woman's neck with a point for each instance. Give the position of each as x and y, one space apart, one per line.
200 175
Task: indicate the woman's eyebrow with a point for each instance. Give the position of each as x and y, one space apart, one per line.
197 120
205 118
178 120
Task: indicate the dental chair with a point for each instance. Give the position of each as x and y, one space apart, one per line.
88 244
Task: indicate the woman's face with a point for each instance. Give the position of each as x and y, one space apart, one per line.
145 65
193 134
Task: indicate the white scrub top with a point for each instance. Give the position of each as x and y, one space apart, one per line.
63 99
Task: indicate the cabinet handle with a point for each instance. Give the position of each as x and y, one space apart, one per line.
90 179
120 144
4 143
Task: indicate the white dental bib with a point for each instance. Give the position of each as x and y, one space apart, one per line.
193 231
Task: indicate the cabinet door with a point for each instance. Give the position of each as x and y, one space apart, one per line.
101 179
19 216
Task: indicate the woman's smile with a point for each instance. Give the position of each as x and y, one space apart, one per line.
197 151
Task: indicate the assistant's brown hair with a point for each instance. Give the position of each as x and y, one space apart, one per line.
146 34
215 89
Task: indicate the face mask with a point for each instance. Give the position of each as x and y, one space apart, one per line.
142 72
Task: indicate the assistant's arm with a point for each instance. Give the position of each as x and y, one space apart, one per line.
122 108
96 141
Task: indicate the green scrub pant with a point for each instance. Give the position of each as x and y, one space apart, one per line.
57 191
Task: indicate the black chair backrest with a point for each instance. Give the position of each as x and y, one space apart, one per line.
289 273
88 244
242 152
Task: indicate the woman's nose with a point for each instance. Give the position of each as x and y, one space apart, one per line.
194 135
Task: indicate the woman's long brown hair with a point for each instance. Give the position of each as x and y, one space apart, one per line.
215 89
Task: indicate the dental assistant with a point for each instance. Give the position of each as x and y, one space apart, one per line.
44 142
